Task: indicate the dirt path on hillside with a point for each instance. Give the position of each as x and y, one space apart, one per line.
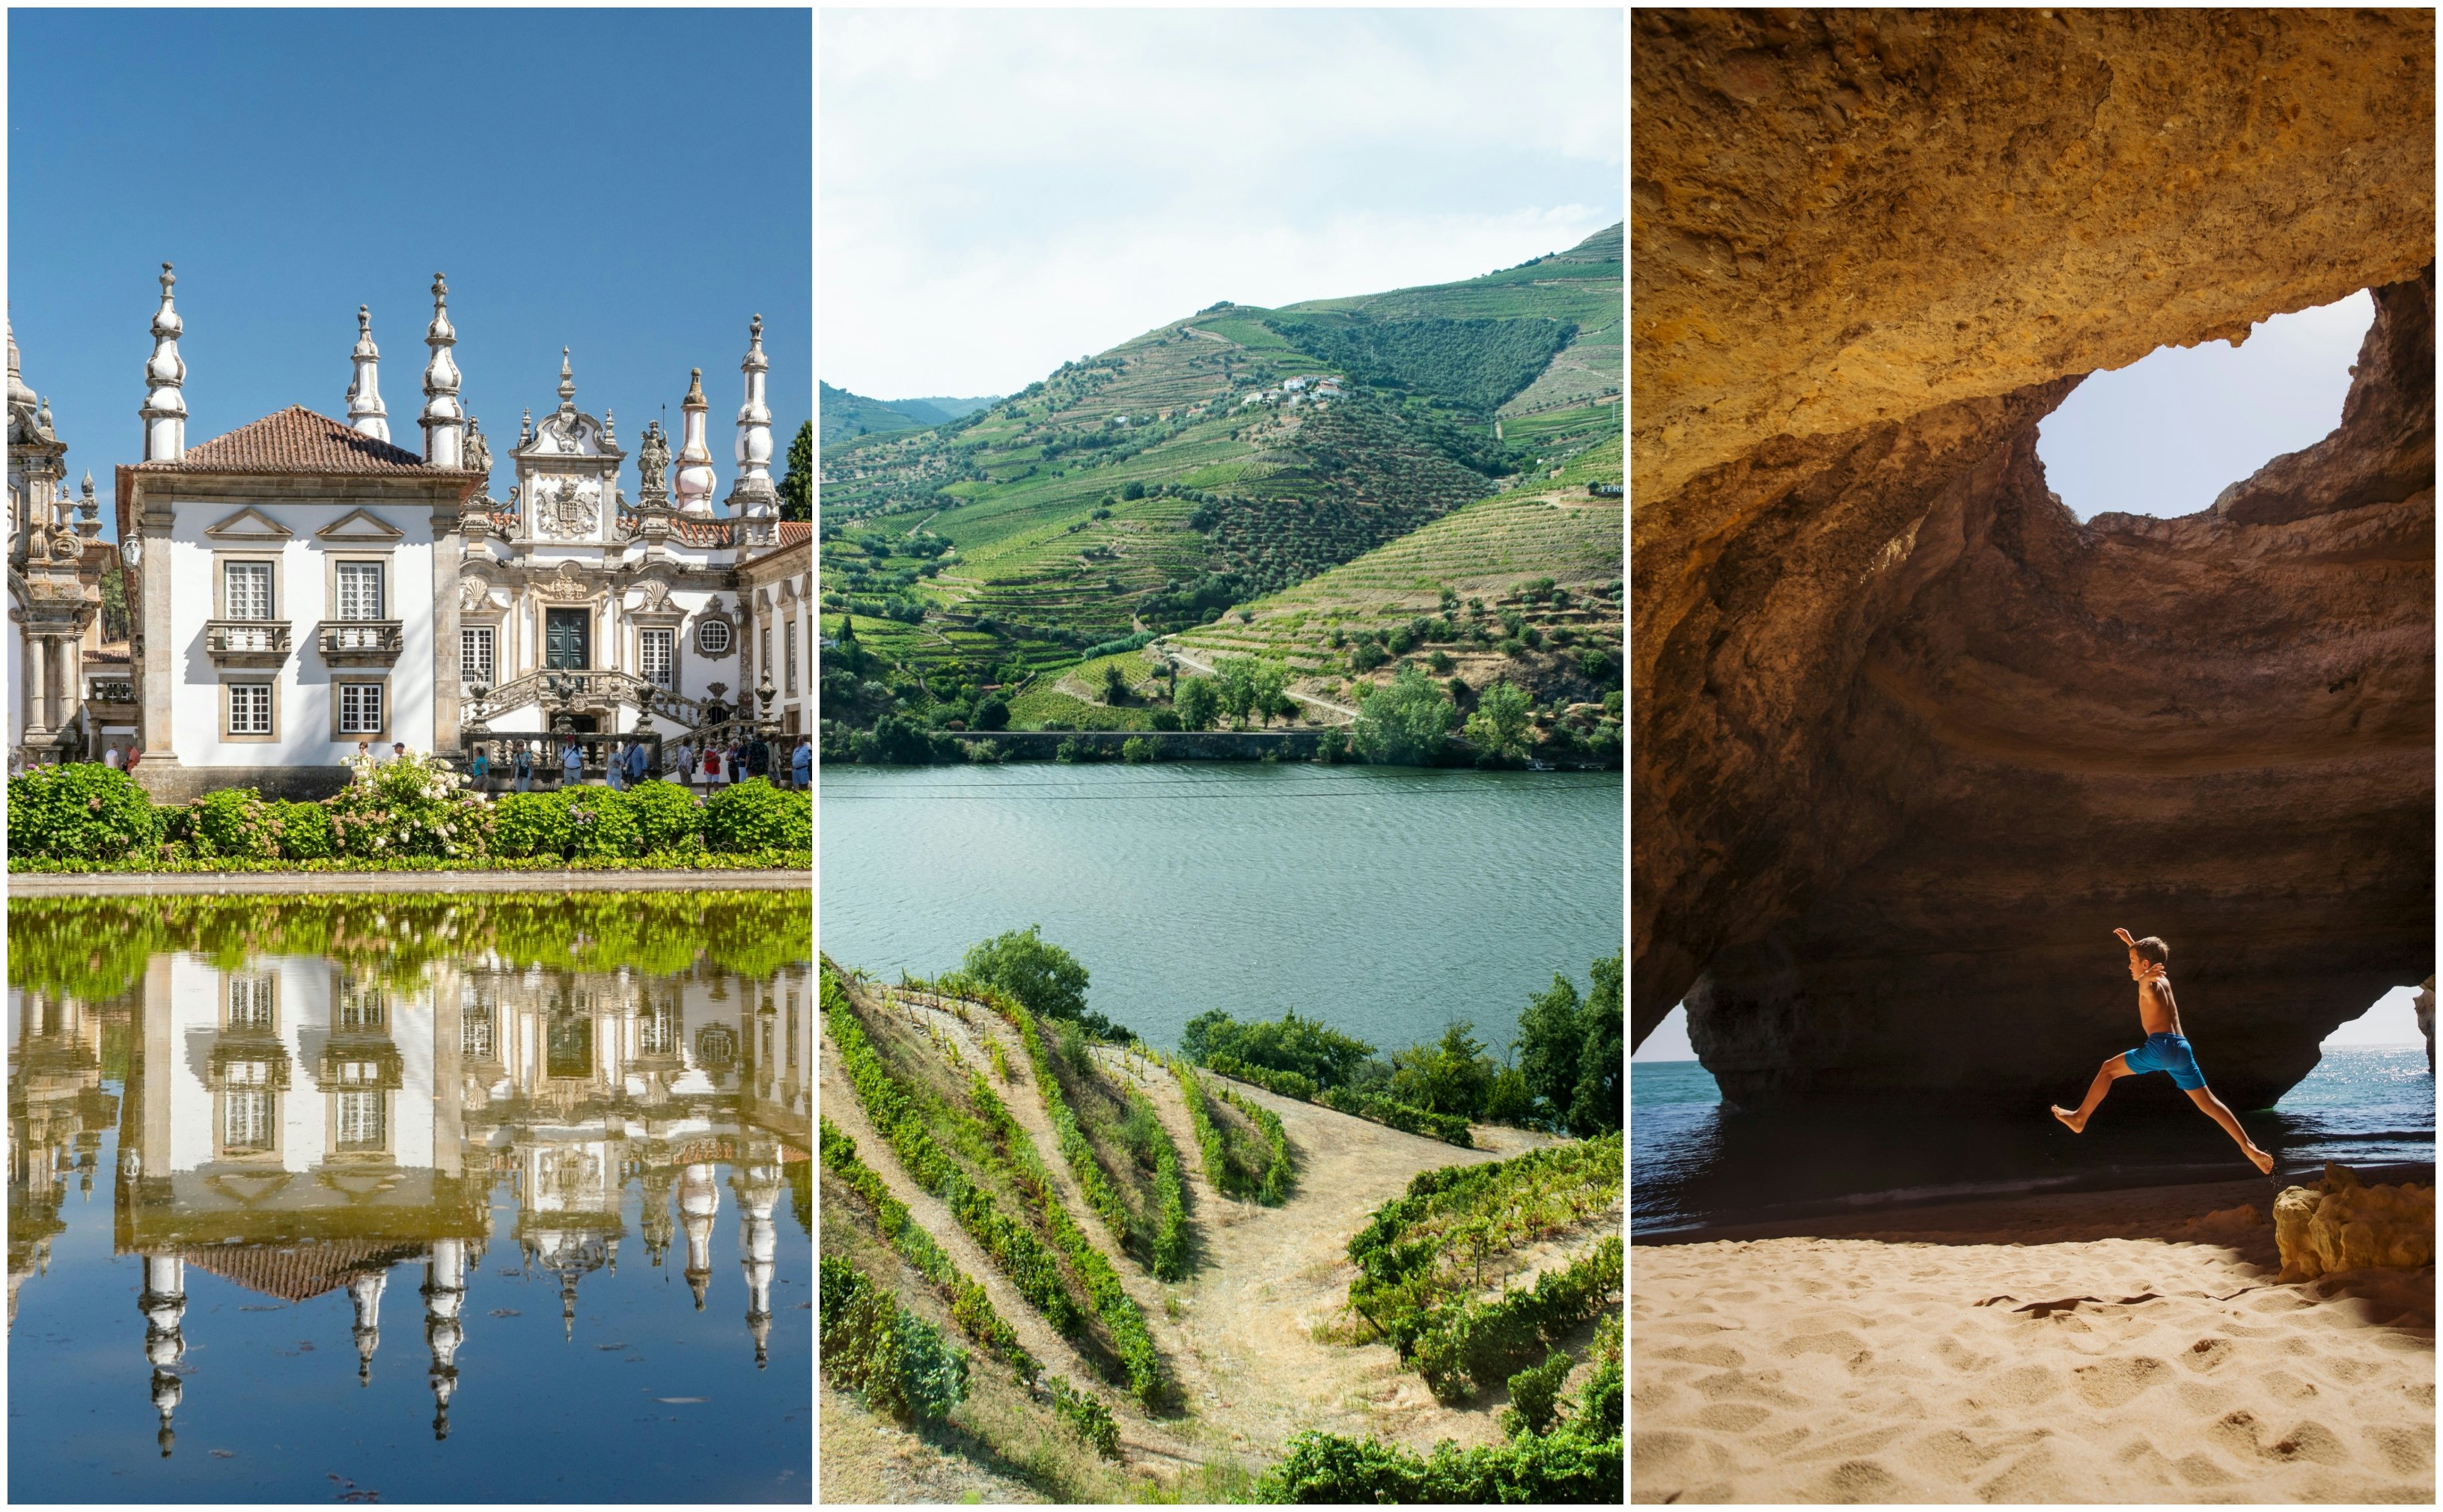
1267 1276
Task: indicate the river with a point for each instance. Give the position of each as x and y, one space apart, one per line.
1387 901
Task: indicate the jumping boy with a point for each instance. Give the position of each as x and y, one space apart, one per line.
2166 1049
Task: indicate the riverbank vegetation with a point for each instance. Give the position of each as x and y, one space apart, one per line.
410 813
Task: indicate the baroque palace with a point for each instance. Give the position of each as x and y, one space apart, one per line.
302 583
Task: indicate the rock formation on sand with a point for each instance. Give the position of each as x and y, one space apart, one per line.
1910 739
2341 1224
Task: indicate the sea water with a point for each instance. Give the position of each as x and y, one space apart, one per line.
1691 1160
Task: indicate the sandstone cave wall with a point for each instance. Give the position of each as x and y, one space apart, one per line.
1910 739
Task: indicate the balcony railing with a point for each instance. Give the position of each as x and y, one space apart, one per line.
360 642
246 642
110 690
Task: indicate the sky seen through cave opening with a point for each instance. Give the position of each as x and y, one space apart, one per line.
2167 435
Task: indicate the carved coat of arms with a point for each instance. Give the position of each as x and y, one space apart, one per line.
568 507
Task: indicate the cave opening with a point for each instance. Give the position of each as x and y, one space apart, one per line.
2165 434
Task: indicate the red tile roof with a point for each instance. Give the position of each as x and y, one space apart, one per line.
797 532
296 440
295 1273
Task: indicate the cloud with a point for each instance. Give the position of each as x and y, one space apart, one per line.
1004 188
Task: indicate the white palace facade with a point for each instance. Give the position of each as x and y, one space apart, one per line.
304 583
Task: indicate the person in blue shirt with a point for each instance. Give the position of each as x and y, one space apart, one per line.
572 765
637 762
615 771
481 769
801 765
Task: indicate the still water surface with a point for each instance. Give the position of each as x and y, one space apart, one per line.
1387 901
410 1199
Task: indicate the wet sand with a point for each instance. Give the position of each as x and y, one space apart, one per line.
2128 1346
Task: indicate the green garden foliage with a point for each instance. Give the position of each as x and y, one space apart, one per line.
1198 702
1274 1188
665 817
1137 750
1569 1051
1405 722
1264 1176
79 810
756 816
897 1361
1039 975
412 807
1498 726
1450 1076
235 822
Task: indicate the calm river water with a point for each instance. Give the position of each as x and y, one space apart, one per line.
410 1199
1386 902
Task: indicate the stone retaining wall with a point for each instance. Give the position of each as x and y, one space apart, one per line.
1170 746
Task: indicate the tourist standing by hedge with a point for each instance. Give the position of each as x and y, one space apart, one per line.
524 766
801 765
572 765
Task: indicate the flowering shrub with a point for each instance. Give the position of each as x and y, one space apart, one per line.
756 816
301 830
600 823
234 822
410 806
79 810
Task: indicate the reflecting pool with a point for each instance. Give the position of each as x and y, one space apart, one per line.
411 1198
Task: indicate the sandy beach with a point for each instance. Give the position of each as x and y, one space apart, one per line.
1914 1358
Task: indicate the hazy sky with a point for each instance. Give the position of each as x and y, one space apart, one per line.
1004 191
2165 434
2391 1020
630 184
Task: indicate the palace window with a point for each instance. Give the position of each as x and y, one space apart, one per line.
360 590
250 709
247 1108
712 637
360 709
249 999
789 645
654 652
363 1008
475 656
475 1032
360 1120
246 590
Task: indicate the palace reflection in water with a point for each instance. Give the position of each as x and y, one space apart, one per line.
295 1126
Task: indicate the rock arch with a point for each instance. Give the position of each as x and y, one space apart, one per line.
1909 738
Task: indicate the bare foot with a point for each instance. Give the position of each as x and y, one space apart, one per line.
2075 1123
2263 1162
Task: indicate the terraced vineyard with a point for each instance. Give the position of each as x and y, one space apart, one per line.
1046 1312
1175 477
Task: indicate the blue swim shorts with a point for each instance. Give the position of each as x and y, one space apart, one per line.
2168 1052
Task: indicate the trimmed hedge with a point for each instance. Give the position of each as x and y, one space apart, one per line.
1559 1468
84 817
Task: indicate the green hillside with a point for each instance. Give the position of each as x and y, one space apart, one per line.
1178 475
844 415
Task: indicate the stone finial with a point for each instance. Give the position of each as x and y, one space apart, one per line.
751 494
567 384
366 414
691 481
165 377
444 422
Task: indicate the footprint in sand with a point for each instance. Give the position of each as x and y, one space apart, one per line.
1861 1481
2410 1449
2206 1354
1840 1343
1732 1417
2238 1433
1721 1356
2109 1383
2287 1386
2023 1386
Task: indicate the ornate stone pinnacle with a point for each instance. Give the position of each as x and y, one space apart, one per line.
567 384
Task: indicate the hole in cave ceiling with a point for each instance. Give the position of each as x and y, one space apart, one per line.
2167 433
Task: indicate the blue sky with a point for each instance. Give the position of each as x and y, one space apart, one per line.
1005 190
2165 434
630 184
